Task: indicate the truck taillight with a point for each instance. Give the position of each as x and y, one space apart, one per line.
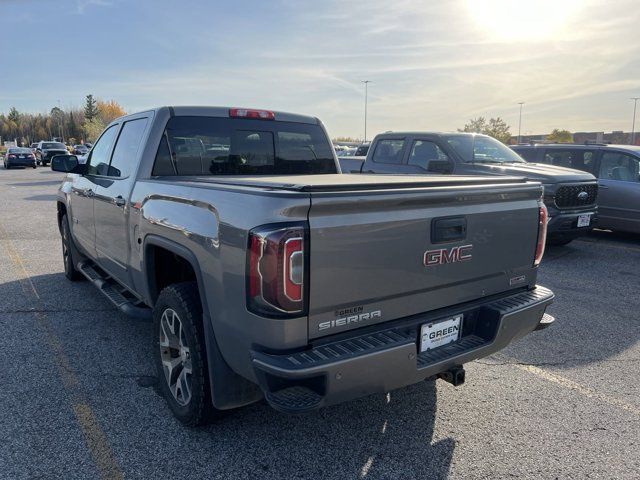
276 270
543 218
250 113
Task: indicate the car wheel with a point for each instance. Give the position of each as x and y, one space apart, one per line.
180 354
7 166
67 252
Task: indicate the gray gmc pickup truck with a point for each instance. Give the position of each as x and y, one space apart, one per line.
268 274
569 195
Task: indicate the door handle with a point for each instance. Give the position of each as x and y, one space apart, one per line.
119 201
602 186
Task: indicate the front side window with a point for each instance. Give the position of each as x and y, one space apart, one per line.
482 149
529 154
619 166
125 152
99 160
237 146
578 159
428 156
389 151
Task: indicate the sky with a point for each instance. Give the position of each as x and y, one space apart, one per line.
432 65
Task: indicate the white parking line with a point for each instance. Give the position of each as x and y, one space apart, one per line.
576 387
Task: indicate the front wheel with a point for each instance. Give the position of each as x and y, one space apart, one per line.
180 353
67 252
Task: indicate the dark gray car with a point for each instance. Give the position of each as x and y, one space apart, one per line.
271 275
617 168
45 151
569 195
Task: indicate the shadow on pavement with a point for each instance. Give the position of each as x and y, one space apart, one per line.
36 184
378 436
41 198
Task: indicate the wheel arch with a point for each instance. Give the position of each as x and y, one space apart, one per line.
228 389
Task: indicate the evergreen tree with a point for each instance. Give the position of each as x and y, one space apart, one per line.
90 108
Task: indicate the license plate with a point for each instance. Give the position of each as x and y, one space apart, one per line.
437 334
584 220
21 156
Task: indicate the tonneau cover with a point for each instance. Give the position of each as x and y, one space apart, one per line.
345 182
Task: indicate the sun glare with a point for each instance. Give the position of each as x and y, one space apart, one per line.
523 19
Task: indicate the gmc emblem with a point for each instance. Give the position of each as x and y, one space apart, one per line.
447 255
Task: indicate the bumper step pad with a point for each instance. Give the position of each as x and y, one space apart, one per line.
294 399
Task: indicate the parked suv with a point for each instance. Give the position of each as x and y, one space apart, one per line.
45 151
617 168
569 195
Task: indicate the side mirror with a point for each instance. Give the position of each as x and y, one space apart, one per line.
67 164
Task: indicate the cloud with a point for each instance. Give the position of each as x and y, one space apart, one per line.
83 5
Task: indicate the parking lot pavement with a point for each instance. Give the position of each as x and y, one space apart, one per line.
78 390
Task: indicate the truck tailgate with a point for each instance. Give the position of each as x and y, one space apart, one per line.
380 255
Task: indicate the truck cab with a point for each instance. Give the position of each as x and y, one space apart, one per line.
569 195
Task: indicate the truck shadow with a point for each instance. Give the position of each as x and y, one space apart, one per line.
380 436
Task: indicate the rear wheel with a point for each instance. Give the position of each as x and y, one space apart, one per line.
180 354
67 252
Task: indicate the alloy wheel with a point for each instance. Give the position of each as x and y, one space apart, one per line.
175 356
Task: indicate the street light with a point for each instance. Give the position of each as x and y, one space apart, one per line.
633 125
520 120
366 88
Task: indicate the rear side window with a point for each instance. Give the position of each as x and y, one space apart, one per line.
578 159
428 156
125 152
237 146
388 151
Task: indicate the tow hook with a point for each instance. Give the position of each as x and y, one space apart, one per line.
454 376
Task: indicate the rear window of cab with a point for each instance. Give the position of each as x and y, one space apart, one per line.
240 146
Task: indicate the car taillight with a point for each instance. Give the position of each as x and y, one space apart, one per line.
31 156
249 113
276 270
543 218
11 155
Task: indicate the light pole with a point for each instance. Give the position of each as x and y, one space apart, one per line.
633 125
366 91
520 120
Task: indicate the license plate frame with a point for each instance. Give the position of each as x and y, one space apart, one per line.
584 220
450 330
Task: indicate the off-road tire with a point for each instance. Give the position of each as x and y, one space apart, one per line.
183 299
70 270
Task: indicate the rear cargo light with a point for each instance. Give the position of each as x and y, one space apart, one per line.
543 218
249 113
276 270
